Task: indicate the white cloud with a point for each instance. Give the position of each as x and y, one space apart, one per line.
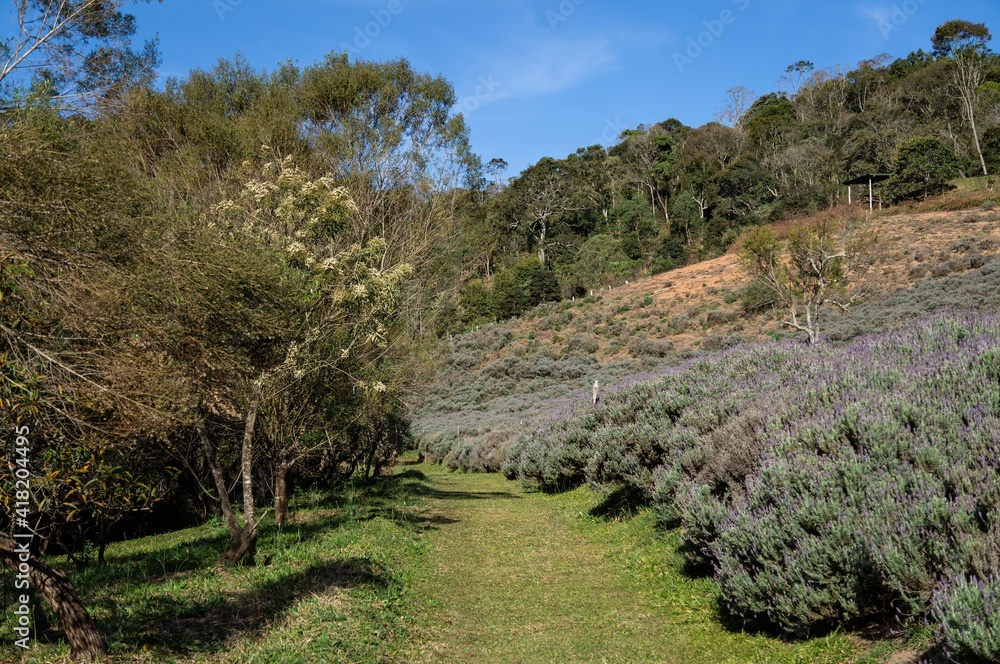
546 66
877 14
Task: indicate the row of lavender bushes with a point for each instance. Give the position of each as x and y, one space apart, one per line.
487 394
824 485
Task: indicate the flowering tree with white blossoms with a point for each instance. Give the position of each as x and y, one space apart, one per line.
345 302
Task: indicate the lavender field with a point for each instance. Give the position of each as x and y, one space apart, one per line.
822 486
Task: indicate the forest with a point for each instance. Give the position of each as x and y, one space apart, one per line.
230 289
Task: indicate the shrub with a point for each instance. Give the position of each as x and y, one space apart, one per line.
519 288
583 343
474 301
720 317
825 484
967 611
600 261
756 297
719 342
640 348
922 168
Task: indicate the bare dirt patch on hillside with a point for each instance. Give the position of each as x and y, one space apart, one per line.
697 307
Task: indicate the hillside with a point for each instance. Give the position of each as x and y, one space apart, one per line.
694 305
500 379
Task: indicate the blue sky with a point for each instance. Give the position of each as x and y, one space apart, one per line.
542 77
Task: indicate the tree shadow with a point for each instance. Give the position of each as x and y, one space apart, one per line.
184 627
622 503
147 566
444 494
412 474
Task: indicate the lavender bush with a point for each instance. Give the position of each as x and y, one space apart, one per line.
824 484
968 612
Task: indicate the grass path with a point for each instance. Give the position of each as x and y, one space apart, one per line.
515 576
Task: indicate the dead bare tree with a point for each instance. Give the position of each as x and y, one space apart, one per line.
817 266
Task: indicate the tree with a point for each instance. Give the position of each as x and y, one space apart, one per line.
923 166
85 641
587 171
795 76
770 125
738 101
536 201
388 135
822 267
496 168
521 287
73 52
991 146
965 44
391 136
343 296
73 363
600 262
648 155
865 80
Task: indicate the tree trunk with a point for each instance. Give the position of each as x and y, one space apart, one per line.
242 539
85 641
246 462
541 244
281 513
208 447
975 138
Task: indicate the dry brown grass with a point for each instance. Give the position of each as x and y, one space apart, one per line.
912 245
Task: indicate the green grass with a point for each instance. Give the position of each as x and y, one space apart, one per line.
426 566
517 576
330 588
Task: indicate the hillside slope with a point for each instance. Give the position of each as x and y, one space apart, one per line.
678 304
499 381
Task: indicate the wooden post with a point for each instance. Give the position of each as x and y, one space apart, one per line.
848 194
596 386
871 203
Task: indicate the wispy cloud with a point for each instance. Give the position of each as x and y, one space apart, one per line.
877 14
546 66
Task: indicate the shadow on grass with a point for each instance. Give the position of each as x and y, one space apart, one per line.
874 630
622 503
412 474
367 502
148 566
443 494
381 500
184 627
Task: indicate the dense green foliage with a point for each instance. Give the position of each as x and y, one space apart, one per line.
213 285
923 167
